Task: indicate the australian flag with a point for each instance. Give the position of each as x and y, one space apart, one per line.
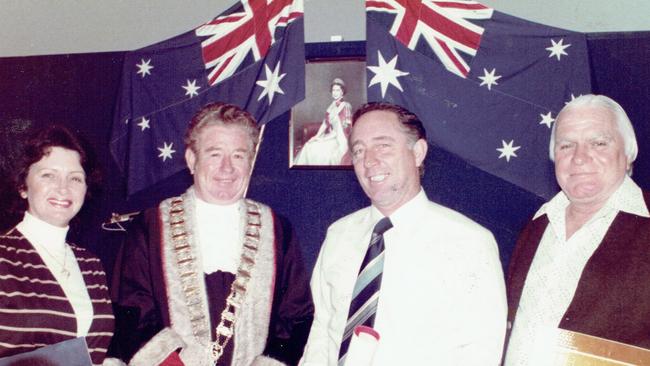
252 55
486 85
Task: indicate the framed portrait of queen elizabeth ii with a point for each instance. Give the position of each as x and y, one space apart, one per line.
320 125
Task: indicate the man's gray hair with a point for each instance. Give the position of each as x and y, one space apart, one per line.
620 117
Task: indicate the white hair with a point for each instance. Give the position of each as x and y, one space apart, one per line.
620 117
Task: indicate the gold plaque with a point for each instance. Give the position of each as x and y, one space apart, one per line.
578 349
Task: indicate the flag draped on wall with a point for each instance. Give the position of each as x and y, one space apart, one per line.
252 55
487 85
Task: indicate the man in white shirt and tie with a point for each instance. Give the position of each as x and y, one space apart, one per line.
441 297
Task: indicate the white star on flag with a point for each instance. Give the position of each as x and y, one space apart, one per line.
557 49
547 119
385 74
489 78
144 124
272 83
572 98
507 150
144 67
166 151
191 89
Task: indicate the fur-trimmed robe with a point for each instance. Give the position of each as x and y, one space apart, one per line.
152 314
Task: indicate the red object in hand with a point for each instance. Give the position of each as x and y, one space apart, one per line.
174 359
367 330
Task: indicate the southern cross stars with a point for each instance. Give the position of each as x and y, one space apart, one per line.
166 151
547 119
144 68
385 74
557 48
191 88
507 150
489 78
144 124
272 83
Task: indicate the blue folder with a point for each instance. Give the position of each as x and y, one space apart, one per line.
73 352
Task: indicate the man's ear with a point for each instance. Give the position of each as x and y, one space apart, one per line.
190 159
420 149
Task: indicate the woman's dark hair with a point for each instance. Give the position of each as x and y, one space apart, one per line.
39 144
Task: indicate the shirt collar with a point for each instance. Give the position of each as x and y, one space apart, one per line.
213 207
216 209
209 214
407 213
627 198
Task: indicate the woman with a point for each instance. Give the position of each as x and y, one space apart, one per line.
330 144
51 291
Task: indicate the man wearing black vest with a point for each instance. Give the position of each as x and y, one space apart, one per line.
582 264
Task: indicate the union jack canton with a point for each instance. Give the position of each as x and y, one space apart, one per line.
252 30
442 25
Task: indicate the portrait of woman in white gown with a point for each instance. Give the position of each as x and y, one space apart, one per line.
330 144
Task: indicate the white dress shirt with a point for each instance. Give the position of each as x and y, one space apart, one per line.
219 236
442 299
556 269
49 242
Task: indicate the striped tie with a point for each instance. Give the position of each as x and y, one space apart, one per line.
366 290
